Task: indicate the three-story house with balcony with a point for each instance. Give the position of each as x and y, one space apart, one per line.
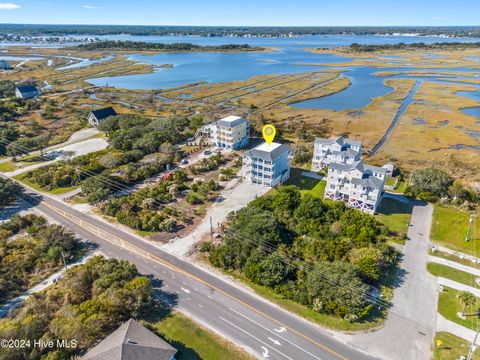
267 164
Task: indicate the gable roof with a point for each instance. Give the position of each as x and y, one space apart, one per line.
367 179
101 114
268 152
131 341
4 65
340 140
27 89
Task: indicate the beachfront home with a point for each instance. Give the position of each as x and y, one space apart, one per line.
5 65
339 150
358 185
97 116
131 341
268 165
27 92
231 132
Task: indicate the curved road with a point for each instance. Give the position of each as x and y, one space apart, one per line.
249 321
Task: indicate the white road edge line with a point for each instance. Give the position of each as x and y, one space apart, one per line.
253 336
276 334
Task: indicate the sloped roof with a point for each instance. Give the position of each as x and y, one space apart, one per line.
27 89
268 152
101 114
131 341
339 140
367 179
4 65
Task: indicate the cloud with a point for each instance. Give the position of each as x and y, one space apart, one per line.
92 7
9 6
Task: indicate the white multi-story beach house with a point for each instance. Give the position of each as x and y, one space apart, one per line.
338 150
358 185
231 132
268 165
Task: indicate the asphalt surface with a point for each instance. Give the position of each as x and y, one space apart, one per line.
249 321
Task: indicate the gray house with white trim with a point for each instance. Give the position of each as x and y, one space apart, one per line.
358 185
339 150
268 165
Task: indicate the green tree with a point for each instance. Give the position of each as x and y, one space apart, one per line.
430 180
466 299
9 190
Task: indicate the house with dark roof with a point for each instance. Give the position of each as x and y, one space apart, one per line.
97 116
267 164
131 341
339 150
4 65
358 185
27 92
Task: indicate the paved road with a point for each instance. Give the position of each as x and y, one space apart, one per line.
409 330
248 320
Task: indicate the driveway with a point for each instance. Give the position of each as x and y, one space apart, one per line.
409 329
233 198
79 148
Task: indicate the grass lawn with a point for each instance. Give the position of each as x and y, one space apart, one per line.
449 228
449 306
57 191
7 166
452 347
306 184
395 215
194 342
451 273
390 181
401 186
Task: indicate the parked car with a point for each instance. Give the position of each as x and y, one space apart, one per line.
184 161
207 152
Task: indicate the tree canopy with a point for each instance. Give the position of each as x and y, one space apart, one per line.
321 254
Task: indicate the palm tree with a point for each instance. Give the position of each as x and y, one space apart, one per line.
467 299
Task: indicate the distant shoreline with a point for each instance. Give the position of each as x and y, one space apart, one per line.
238 31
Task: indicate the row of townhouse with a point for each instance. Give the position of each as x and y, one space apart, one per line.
349 179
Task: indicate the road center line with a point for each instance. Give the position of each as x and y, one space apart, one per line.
254 337
274 333
113 239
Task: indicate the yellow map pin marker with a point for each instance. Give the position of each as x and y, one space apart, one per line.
269 132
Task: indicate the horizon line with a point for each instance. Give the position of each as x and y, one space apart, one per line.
245 26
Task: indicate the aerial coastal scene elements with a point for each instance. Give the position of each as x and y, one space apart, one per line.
290 187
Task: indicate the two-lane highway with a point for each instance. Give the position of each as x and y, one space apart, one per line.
266 330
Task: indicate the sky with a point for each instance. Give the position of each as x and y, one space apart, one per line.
243 12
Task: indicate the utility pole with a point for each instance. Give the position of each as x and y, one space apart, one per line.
211 229
64 262
467 237
472 345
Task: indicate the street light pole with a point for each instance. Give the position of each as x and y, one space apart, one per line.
467 237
